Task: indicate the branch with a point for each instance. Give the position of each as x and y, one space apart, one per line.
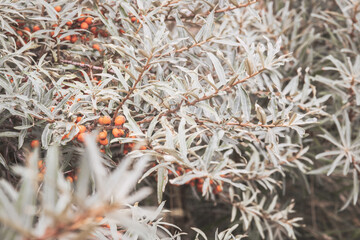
132 89
214 94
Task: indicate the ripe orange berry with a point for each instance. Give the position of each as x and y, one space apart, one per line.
58 8
84 25
89 20
52 109
67 38
40 164
20 22
93 30
133 19
27 29
36 28
106 120
104 141
35 143
102 150
218 189
104 33
81 19
122 31
69 23
81 137
78 119
142 148
119 120
82 128
74 39
117 132
103 135
20 33
70 179
96 47
101 120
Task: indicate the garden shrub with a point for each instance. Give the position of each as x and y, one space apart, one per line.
241 116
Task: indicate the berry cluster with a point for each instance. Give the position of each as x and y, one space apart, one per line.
196 182
85 21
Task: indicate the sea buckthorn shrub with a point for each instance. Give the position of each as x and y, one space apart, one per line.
242 116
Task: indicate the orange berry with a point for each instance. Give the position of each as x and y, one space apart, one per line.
142 148
40 164
122 31
119 120
81 137
36 28
35 143
84 25
82 128
20 22
69 23
133 19
20 33
27 29
106 120
125 151
69 178
74 39
81 19
103 135
102 150
121 132
104 33
93 30
218 189
96 47
117 132
67 38
78 119
104 141
101 120
58 8
89 20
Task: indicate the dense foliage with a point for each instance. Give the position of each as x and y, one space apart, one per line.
242 116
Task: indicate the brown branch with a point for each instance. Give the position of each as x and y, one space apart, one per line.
84 65
214 94
132 89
